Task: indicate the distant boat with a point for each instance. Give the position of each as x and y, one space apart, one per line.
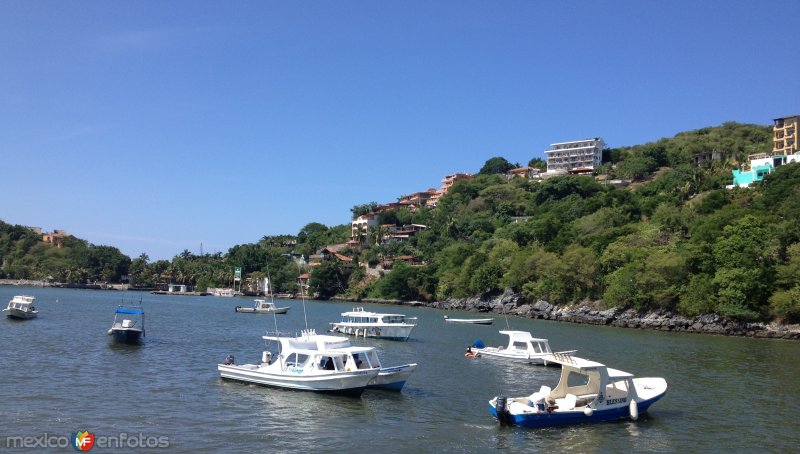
21 307
262 307
361 323
128 325
474 321
224 292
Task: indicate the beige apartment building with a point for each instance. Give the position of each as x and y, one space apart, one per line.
785 135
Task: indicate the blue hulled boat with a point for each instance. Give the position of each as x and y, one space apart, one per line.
587 392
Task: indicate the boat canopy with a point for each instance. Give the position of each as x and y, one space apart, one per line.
130 311
521 336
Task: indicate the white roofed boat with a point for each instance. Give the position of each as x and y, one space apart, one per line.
21 307
300 364
361 323
522 347
586 392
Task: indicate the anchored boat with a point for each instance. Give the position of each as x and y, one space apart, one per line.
361 323
128 325
261 306
522 347
475 321
586 392
301 365
21 307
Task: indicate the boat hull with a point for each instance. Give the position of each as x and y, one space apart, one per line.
250 310
474 321
401 332
520 357
127 336
344 383
572 417
20 315
392 378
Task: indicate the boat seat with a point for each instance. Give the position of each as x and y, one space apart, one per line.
539 397
567 402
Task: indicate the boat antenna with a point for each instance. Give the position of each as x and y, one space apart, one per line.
505 314
269 290
303 297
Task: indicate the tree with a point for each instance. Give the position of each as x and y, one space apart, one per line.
496 165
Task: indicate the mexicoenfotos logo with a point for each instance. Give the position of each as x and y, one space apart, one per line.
82 441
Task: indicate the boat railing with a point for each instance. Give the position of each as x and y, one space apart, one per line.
302 333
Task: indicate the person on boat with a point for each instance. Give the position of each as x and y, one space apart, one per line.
470 353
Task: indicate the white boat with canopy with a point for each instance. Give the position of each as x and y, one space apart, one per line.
587 391
361 323
522 347
21 307
300 364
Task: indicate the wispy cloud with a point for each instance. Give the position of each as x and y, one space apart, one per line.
146 39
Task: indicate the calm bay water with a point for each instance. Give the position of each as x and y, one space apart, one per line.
62 374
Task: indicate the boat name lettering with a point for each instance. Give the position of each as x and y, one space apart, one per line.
295 370
616 401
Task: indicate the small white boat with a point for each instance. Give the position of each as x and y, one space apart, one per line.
361 323
475 321
223 292
586 392
302 368
522 347
261 306
128 325
21 307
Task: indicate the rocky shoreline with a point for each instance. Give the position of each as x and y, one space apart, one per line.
514 304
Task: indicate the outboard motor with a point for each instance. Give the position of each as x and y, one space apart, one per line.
501 408
228 360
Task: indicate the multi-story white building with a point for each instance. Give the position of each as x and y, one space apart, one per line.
361 225
581 154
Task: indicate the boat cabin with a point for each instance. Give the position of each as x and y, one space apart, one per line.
523 342
585 383
22 303
264 305
310 352
360 316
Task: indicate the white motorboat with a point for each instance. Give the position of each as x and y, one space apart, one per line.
128 325
474 321
261 306
389 378
361 323
301 365
586 392
21 307
522 347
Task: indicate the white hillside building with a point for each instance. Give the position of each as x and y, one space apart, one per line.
578 155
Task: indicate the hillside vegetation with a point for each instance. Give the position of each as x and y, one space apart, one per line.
679 242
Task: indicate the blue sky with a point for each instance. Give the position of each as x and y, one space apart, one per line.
156 126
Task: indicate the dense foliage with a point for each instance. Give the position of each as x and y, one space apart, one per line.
676 239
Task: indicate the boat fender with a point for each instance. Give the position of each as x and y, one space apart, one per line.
110 331
501 408
634 410
588 411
